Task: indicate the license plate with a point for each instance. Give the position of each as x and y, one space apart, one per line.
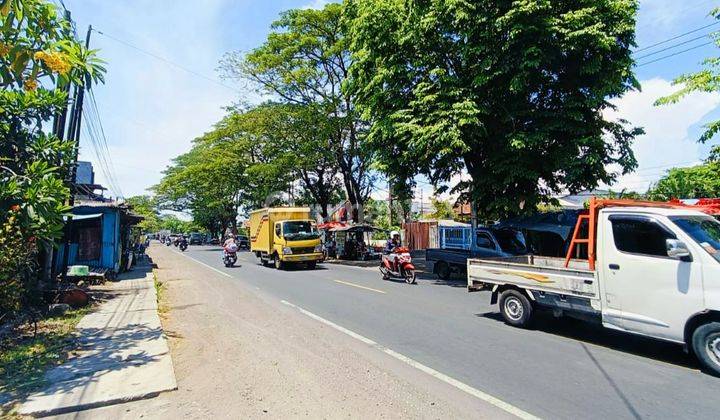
306 258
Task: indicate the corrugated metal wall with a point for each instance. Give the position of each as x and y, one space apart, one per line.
417 234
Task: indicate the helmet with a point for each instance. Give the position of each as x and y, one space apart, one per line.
231 236
394 233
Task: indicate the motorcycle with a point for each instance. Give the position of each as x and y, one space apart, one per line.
167 242
176 242
398 265
183 245
230 255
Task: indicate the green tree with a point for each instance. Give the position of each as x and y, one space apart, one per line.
37 50
286 143
176 225
513 92
305 61
700 181
146 206
442 209
207 182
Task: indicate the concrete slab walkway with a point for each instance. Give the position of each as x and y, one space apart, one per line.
123 354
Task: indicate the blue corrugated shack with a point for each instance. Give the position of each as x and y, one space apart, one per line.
99 236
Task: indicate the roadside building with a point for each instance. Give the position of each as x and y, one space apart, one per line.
100 236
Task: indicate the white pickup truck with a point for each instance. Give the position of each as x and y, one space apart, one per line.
655 272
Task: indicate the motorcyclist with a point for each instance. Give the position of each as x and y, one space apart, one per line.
230 240
393 242
230 247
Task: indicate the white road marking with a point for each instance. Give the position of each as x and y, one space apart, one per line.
202 263
517 412
360 287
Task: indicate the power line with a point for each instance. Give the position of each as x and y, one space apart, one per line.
676 37
673 46
98 140
94 106
165 60
674 54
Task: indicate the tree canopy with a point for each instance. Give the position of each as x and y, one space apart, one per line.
701 181
305 61
511 92
39 58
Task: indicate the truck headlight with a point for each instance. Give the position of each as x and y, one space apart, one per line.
318 248
287 250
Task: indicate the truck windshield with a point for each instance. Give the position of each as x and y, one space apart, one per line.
704 230
511 241
299 230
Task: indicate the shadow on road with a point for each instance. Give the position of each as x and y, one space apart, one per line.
595 334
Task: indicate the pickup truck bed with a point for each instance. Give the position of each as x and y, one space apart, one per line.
542 274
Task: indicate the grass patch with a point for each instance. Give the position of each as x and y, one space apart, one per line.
25 356
163 308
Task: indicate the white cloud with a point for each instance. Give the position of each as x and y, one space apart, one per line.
316 4
671 131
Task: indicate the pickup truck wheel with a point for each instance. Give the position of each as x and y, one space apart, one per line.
442 269
311 265
706 346
516 308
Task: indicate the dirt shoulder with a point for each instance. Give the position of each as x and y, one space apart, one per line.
237 355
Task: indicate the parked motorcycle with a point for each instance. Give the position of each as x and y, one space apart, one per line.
230 255
168 242
183 244
398 265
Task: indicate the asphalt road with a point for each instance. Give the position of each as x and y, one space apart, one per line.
563 369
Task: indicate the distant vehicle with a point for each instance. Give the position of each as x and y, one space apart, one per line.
285 235
458 244
196 238
214 241
652 269
243 242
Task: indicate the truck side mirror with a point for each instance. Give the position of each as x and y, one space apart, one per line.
677 249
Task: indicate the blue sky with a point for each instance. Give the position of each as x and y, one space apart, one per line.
151 110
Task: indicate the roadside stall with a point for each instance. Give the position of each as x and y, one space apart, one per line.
349 242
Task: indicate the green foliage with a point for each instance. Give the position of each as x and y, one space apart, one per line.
36 49
305 62
36 43
176 225
205 181
705 80
702 181
26 356
146 206
377 214
513 92
442 210
16 264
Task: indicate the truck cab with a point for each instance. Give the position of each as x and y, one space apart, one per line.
296 241
285 235
659 270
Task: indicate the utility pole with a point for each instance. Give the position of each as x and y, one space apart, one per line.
390 202
422 205
59 123
74 134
